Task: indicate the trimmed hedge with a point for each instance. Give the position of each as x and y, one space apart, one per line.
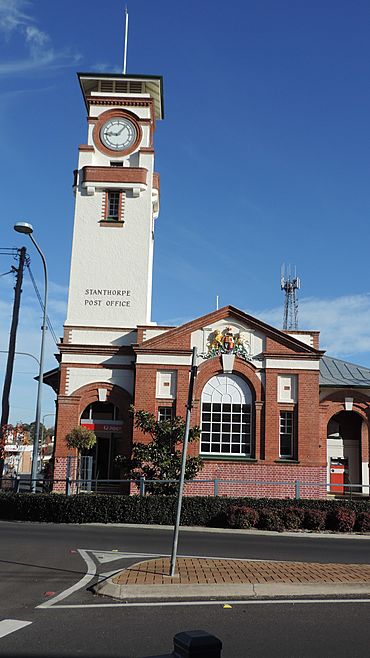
339 515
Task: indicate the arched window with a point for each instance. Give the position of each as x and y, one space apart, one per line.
226 420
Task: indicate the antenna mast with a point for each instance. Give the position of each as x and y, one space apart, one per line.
126 39
290 283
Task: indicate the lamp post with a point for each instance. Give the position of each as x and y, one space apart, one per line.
27 229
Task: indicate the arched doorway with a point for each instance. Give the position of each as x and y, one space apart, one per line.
344 443
226 416
105 419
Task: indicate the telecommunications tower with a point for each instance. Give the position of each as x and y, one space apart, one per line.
290 283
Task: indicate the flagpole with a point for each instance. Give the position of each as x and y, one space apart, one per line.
126 39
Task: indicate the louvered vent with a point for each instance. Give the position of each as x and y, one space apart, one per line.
120 87
106 85
135 87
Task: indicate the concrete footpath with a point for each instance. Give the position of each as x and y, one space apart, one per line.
207 578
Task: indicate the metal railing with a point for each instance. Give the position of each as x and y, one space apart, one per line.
294 489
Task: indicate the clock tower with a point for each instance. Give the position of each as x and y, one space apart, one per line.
110 289
117 202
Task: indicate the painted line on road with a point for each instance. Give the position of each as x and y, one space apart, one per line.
91 573
88 577
168 604
11 625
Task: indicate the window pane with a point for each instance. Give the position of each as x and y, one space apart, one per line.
286 434
164 413
113 205
226 427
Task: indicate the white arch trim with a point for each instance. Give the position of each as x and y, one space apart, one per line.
229 389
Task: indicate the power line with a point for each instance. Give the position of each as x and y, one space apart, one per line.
5 251
48 322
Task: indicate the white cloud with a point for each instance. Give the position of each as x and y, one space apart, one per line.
12 16
41 54
343 322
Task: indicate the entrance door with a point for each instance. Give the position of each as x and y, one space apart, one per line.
106 421
103 453
344 442
352 452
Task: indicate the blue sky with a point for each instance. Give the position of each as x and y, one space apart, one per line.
263 156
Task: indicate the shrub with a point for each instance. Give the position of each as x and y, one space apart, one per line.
363 522
314 519
80 438
341 520
196 510
270 519
292 518
240 516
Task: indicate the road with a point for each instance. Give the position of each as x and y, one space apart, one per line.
39 562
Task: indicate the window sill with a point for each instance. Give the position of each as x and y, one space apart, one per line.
287 461
228 458
110 222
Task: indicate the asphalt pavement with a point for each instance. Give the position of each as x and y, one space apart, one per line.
47 572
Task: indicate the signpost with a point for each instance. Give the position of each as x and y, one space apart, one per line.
189 406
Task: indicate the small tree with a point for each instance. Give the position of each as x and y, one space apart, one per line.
80 438
161 458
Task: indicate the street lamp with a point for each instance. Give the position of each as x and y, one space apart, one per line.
27 229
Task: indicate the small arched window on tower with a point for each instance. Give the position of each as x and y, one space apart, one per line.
226 417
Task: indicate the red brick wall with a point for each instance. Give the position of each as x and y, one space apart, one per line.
260 475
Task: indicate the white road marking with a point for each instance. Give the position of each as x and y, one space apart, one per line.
108 556
10 625
156 604
81 583
102 556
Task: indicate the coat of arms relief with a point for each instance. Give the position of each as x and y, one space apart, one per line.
229 341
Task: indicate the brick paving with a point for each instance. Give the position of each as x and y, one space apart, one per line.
204 571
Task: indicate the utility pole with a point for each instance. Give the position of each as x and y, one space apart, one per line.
12 342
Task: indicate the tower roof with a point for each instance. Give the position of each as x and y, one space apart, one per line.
119 83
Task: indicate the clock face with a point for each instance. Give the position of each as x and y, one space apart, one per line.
118 134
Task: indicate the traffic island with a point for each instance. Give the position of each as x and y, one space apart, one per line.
205 578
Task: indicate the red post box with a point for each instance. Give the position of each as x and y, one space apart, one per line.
337 475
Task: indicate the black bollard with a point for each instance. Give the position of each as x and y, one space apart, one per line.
196 644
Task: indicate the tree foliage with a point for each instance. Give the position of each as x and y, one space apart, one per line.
161 458
80 438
